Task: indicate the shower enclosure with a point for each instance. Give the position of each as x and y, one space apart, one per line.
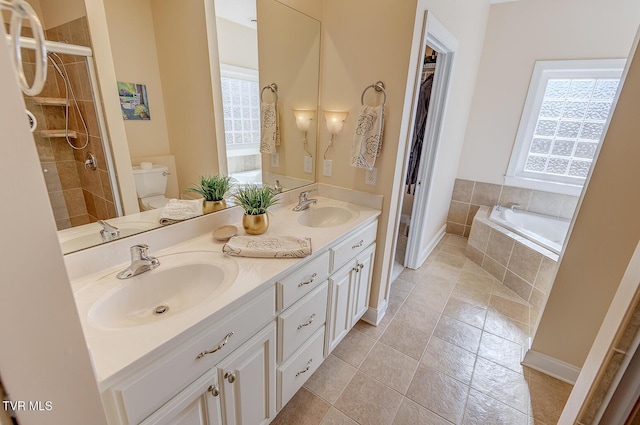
70 135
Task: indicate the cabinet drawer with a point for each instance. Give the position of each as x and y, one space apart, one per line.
346 250
158 383
295 372
302 281
299 322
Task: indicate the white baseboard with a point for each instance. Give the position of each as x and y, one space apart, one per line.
428 249
551 366
373 316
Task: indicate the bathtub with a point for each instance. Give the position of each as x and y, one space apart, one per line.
546 231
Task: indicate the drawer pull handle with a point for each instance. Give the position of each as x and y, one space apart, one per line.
308 322
218 348
308 281
215 392
358 245
306 369
231 377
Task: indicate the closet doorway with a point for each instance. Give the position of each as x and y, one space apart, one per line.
430 97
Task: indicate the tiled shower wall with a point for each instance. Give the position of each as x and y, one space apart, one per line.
469 195
77 196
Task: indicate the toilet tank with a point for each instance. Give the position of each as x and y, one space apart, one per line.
150 182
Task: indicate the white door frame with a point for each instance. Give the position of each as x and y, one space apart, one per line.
436 35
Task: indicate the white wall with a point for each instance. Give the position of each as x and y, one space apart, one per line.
365 41
43 354
237 44
518 34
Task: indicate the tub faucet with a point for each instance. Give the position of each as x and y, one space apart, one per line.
515 207
140 262
304 202
108 232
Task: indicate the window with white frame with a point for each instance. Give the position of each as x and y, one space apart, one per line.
241 110
563 122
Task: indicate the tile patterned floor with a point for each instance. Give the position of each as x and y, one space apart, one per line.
447 352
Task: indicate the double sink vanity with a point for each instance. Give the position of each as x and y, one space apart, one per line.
205 338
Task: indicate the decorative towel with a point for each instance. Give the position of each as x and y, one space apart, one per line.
269 127
367 141
180 209
268 246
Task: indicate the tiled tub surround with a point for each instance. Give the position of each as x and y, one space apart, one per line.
521 265
468 196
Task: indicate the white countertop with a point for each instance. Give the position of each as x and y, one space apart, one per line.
116 352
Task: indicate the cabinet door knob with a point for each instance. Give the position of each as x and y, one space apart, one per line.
308 281
218 348
360 266
231 377
215 392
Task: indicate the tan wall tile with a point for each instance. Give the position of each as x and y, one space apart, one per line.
462 190
474 254
473 209
75 202
500 247
525 262
494 268
515 196
479 236
545 203
518 285
486 194
455 228
458 212
546 274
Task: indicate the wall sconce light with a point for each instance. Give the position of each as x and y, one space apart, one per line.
335 121
303 121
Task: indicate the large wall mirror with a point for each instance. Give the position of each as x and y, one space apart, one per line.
198 77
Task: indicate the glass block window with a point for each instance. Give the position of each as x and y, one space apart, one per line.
564 121
241 109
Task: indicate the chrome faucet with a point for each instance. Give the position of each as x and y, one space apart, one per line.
140 262
108 232
304 202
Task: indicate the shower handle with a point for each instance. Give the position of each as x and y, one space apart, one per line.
90 162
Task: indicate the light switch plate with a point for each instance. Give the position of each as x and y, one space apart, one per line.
327 167
308 164
275 159
371 176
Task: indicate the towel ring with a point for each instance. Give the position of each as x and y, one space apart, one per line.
274 89
379 87
20 10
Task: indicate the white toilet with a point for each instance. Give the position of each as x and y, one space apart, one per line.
150 185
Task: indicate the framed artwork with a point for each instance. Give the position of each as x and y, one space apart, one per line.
133 101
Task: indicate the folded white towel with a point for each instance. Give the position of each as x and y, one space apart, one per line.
367 141
180 209
268 246
269 127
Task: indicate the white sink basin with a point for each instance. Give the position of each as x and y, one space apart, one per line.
327 216
182 281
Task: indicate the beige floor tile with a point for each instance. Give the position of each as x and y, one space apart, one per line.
450 259
443 270
501 383
367 401
475 268
336 417
354 348
304 408
449 359
394 303
439 393
464 312
418 317
456 240
411 413
504 292
501 351
429 296
484 410
330 379
506 328
458 333
373 331
471 295
406 338
511 309
548 396
401 288
482 283
411 276
392 367
454 249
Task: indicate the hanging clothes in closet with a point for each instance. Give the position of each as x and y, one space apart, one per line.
418 133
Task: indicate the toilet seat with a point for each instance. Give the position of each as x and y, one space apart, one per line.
154 202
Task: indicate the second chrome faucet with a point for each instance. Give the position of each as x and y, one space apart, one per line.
303 201
140 262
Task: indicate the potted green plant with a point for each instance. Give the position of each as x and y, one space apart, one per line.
212 189
255 200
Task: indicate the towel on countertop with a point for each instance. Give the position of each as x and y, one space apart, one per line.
180 209
367 141
269 127
268 246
